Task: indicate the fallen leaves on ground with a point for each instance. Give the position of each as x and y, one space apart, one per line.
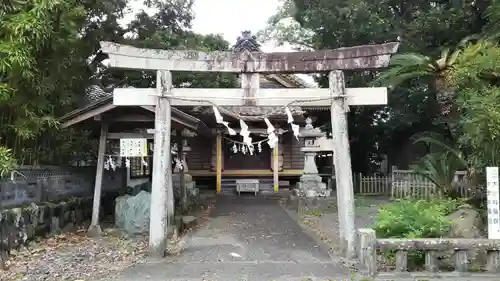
327 236
74 256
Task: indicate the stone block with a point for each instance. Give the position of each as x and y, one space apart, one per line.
133 213
54 225
121 207
20 225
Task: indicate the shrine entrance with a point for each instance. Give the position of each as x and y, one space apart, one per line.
237 156
249 66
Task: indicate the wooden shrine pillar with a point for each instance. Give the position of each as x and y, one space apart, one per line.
218 165
276 167
94 228
276 159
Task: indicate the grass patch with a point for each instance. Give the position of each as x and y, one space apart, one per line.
314 213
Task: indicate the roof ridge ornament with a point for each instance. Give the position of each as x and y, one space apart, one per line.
246 41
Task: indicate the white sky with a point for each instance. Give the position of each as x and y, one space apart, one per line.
229 18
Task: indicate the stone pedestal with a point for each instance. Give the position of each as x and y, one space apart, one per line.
310 184
190 185
192 191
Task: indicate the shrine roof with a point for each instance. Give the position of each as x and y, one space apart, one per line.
248 42
101 102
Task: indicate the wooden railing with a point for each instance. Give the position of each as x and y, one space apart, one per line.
369 246
373 185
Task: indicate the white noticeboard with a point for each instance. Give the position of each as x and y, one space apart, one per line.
493 197
133 147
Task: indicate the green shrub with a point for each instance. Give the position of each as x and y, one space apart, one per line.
414 219
7 162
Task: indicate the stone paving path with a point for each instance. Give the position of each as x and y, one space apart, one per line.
245 238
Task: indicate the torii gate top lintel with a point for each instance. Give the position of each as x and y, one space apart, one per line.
358 57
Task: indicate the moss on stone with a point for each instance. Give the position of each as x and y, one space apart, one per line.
35 219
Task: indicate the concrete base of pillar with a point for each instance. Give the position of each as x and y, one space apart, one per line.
94 231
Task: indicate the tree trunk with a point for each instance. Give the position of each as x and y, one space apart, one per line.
445 98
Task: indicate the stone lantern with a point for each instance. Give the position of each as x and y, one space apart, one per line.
188 179
310 184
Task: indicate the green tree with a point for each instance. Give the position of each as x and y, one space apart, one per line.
423 27
168 28
436 71
45 47
476 77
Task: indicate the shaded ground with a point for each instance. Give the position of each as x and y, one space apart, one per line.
245 238
326 226
74 256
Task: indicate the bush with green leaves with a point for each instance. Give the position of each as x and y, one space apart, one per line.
7 162
414 219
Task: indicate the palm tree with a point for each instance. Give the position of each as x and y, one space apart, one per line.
440 167
409 66
404 67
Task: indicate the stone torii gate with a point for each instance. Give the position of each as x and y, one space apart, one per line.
250 65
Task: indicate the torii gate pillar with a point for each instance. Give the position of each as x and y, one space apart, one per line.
342 162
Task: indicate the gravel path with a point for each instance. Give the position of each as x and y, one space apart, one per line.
250 239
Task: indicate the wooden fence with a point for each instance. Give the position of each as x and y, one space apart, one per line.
408 184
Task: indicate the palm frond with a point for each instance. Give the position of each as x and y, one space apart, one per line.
404 67
439 168
431 140
492 29
444 54
409 60
467 39
453 57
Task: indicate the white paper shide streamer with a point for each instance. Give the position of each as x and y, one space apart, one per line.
247 146
245 133
220 120
270 127
178 163
109 164
289 115
272 138
295 127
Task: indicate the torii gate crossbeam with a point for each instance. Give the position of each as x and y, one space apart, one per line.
359 57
